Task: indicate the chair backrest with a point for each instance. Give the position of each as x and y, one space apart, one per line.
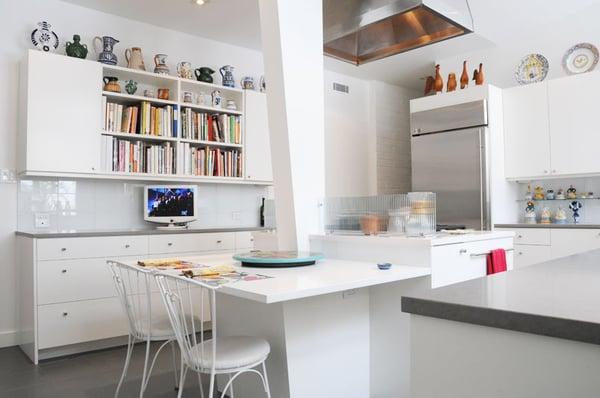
134 286
184 300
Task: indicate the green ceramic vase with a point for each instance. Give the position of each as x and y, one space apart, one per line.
76 49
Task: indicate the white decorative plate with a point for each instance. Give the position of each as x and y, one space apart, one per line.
580 58
532 68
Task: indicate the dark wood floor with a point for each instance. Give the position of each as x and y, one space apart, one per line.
94 374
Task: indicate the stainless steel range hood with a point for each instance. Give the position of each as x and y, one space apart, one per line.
360 31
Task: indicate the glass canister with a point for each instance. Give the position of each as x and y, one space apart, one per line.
422 214
398 219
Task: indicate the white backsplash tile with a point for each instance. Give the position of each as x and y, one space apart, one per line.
100 204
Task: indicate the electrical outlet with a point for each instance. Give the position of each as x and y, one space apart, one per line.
42 220
236 215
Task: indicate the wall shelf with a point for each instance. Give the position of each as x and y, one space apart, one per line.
211 143
211 109
130 99
139 137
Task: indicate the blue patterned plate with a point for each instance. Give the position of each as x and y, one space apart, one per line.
580 58
533 68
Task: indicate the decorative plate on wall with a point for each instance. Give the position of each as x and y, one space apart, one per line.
580 58
533 68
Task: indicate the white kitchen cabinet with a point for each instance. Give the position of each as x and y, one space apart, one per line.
257 142
574 128
526 131
60 114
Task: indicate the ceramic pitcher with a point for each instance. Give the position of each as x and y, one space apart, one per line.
134 58
184 70
160 62
227 75
105 49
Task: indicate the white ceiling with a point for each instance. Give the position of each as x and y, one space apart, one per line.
497 23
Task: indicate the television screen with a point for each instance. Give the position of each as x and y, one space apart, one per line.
170 202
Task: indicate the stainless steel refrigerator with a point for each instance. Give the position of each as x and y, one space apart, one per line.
450 157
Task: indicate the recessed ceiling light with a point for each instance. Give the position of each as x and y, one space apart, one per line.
200 2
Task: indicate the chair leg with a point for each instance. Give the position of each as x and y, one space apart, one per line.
211 389
200 384
266 380
175 364
130 345
231 393
145 373
182 374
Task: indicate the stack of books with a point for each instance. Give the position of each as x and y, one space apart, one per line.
140 119
201 126
137 156
120 118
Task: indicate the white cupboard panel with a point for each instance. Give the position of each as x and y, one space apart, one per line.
185 243
257 141
532 254
91 247
244 240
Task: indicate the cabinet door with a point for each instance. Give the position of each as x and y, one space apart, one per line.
257 144
527 137
64 111
574 129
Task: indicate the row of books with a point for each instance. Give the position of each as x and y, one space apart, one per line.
208 161
137 156
210 127
140 119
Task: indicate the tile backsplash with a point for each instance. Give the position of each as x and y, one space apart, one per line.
101 204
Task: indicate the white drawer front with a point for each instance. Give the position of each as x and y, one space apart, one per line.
244 241
72 280
461 262
91 247
81 321
531 254
532 236
186 243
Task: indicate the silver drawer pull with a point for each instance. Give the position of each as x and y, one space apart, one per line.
219 241
519 236
65 314
64 271
63 249
485 254
170 244
462 251
127 246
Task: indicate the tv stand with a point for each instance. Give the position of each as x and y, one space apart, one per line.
173 226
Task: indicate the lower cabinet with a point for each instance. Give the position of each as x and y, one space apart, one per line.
67 293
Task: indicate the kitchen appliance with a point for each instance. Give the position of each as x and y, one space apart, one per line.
450 157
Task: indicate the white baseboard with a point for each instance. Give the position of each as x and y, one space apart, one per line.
8 338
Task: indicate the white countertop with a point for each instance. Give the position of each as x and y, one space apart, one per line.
438 239
327 276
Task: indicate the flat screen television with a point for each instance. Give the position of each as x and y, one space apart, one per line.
173 205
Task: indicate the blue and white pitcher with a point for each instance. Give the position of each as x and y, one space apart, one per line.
227 74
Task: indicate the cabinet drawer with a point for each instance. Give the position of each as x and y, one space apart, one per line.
460 262
77 322
531 254
186 243
91 247
532 236
72 280
244 241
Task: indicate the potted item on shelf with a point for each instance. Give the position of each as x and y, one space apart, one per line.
571 193
184 70
247 83
111 83
160 64
231 105
561 216
560 195
163 93
227 75
575 206
370 224
105 49
530 213
546 217
528 194
550 194
148 93
131 87
539 193
188 96
204 74
134 58
217 100
75 49
43 38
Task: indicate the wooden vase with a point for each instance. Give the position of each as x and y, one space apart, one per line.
451 84
429 85
438 85
464 77
479 78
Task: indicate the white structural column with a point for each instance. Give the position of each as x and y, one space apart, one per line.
292 40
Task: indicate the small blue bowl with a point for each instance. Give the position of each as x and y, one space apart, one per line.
384 266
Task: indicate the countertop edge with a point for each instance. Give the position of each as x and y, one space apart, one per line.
75 234
569 329
549 226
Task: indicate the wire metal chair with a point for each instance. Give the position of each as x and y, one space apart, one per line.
230 356
134 287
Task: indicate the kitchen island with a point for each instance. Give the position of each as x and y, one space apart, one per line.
533 332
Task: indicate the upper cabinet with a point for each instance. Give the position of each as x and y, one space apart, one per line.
60 117
258 146
551 128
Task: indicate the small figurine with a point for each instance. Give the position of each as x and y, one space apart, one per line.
478 75
560 217
539 193
429 81
131 87
464 77
528 194
438 85
451 85
550 194
546 217
530 213
571 193
560 195
575 206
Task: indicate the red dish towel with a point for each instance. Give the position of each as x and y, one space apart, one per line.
496 261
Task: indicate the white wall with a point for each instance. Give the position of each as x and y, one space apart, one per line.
19 19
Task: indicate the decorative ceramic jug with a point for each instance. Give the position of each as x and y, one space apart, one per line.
184 70
134 58
43 38
107 43
160 62
76 49
217 100
247 83
111 84
131 87
204 74
227 74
